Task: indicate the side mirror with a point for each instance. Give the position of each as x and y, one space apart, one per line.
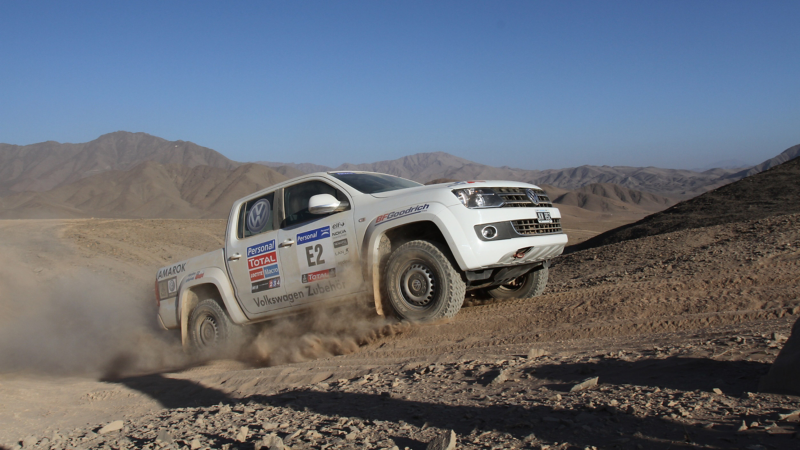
323 204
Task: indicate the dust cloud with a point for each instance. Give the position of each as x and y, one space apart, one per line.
80 323
319 333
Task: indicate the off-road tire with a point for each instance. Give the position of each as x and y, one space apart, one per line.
211 332
422 283
529 285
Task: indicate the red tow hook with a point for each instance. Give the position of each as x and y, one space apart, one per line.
521 252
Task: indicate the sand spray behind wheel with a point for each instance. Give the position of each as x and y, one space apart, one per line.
81 323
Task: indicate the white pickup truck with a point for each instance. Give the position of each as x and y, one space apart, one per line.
411 250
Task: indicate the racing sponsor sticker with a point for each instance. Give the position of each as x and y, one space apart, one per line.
388 217
265 285
315 251
317 276
260 255
258 216
340 243
262 263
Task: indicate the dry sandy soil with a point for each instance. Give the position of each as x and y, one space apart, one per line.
678 328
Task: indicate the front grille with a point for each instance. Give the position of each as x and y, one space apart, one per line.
532 227
516 197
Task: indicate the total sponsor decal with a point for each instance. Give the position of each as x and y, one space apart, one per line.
317 276
265 285
399 214
261 255
172 270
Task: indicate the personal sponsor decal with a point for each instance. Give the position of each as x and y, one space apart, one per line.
388 217
172 270
318 276
340 243
260 249
265 285
314 235
258 216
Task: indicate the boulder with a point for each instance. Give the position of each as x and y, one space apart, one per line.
784 375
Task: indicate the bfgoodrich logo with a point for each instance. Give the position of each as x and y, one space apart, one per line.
398 214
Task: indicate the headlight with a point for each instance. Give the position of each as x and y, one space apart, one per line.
479 198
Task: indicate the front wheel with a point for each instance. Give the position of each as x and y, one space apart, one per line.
422 284
211 331
529 285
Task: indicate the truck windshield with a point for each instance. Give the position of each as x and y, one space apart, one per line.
372 183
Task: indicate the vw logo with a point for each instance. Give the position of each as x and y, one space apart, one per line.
258 216
532 196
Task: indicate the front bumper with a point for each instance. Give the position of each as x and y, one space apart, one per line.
476 252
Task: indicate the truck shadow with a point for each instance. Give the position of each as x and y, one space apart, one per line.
526 419
685 374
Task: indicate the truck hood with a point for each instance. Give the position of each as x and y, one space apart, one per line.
444 187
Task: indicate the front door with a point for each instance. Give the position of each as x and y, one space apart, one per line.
252 259
318 252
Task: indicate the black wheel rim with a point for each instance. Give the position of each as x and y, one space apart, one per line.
208 331
418 284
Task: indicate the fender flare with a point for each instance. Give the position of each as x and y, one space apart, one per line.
187 299
439 215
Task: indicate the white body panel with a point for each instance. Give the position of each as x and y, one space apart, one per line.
328 265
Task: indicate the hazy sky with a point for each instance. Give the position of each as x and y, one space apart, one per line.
532 84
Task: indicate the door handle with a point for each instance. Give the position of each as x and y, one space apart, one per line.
234 257
286 243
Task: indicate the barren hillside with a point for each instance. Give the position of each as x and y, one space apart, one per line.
44 166
773 192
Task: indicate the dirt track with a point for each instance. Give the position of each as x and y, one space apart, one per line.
662 321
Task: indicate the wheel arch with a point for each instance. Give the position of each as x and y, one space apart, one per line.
396 236
214 284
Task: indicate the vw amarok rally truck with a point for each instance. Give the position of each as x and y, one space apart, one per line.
411 250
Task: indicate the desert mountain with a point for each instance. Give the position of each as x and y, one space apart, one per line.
606 197
787 155
147 190
44 166
775 191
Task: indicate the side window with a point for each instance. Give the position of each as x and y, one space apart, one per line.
256 217
295 200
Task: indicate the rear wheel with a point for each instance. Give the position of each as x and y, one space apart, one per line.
211 331
529 285
422 283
